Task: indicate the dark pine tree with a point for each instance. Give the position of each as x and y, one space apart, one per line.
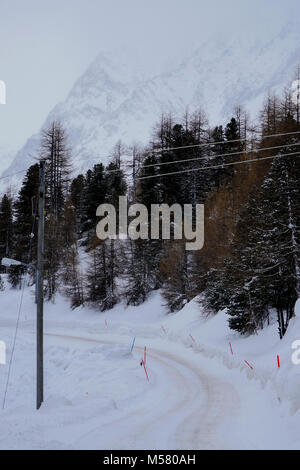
6 226
24 245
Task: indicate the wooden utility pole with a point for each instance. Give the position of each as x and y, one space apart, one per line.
40 289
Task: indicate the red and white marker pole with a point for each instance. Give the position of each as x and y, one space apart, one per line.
278 362
145 370
230 348
249 365
143 363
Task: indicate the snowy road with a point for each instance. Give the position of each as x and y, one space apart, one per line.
169 420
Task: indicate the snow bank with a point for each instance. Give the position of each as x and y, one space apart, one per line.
213 338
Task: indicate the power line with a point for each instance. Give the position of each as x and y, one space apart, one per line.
175 148
212 143
262 149
207 156
217 166
14 341
222 142
220 155
13 174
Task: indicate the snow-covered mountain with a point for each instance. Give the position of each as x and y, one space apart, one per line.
6 158
115 99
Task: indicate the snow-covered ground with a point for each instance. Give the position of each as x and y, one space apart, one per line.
97 395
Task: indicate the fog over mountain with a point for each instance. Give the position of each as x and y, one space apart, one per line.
117 99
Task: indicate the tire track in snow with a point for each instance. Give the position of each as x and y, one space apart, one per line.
186 413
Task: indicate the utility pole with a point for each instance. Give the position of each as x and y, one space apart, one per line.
40 289
298 93
134 171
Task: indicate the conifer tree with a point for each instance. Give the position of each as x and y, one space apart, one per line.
141 270
94 194
71 273
101 277
73 278
55 152
6 226
23 243
77 193
281 196
176 276
263 268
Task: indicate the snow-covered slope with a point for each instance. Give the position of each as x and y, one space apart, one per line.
6 158
97 396
116 99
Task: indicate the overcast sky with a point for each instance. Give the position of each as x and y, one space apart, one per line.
45 46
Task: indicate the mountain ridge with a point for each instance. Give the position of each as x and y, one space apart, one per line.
116 99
